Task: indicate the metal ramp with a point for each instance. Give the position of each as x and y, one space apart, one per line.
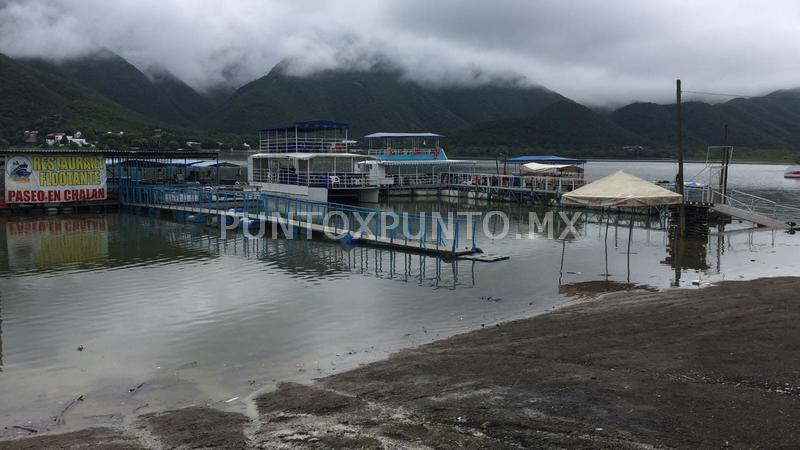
750 216
714 193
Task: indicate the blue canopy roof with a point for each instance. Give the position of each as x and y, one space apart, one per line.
308 125
547 159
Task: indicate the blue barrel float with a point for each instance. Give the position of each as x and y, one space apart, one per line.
348 240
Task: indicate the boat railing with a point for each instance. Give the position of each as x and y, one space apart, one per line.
557 183
402 151
330 180
308 145
414 180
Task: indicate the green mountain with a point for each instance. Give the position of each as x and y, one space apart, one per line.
164 98
104 92
372 101
31 97
771 121
755 125
566 126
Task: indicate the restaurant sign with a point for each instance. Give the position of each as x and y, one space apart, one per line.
54 179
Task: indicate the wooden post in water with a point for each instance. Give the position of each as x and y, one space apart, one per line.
679 178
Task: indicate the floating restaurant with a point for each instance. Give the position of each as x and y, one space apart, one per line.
314 160
310 160
409 163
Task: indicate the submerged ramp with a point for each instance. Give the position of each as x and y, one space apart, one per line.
758 219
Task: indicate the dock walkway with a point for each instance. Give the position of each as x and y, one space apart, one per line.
409 232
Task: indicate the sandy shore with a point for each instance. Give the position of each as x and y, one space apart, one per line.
715 367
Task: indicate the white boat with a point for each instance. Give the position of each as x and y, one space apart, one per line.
408 161
792 172
310 160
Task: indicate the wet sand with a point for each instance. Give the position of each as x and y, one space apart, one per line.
711 367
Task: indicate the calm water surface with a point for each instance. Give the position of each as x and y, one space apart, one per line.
169 314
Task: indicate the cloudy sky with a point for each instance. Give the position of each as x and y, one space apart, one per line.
594 51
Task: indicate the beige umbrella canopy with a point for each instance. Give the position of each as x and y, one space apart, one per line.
621 189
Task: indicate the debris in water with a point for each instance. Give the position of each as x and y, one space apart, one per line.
29 430
232 399
188 365
80 348
138 408
134 389
59 419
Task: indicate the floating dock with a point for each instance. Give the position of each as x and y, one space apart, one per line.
350 224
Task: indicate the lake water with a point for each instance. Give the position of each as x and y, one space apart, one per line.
169 314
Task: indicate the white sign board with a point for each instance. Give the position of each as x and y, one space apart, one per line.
55 179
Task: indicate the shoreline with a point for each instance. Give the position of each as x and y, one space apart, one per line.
712 367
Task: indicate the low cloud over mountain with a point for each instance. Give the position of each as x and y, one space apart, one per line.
596 52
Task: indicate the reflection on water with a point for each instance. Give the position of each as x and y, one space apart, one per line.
199 318
47 244
315 260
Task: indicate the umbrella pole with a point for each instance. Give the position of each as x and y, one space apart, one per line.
630 233
561 269
608 221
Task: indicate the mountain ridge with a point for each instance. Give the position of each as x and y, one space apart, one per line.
105 92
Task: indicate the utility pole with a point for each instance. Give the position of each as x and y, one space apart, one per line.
724 167
728 155
722 162
679 178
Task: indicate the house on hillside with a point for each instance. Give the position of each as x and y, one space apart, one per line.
61 139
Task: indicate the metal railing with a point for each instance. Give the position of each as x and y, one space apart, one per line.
330 180
402 151
310 145
512 182
425 232
429 180
477 181
755 204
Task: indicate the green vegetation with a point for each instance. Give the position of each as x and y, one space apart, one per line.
102 95
164 99
566 126
36 99
372 101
